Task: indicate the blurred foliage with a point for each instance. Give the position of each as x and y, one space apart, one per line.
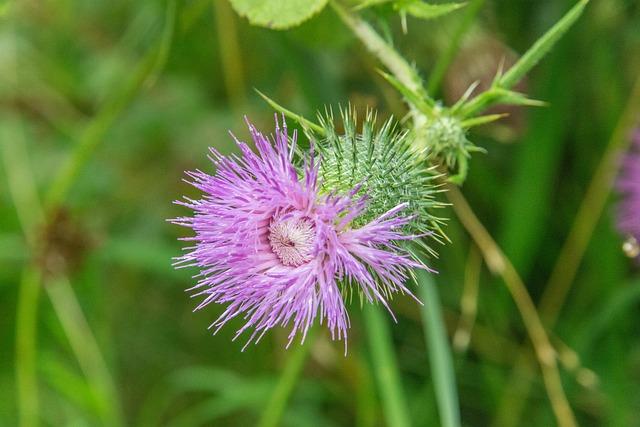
60 61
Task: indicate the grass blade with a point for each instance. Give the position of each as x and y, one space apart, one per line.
272 413
439 351
385 368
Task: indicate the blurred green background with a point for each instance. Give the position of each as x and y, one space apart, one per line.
110 76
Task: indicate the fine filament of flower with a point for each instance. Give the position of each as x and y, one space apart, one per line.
292 240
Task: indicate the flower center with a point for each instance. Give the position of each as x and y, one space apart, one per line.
292 240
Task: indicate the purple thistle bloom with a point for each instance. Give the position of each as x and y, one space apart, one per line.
277 252
629 186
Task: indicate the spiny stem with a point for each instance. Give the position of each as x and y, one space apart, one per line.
380 48
498 264
385 53
287 381
494 258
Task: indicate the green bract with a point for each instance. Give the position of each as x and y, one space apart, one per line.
383 162
446 137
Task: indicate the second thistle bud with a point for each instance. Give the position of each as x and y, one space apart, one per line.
446 138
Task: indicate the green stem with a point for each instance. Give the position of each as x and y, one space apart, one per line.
399 67
380 48
385 367
439 351
274 410
30 215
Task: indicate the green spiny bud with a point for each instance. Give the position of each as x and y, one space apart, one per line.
446 137
386 165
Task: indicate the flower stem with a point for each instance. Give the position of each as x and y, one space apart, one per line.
440 358
385 368
395 63
380 48
500 265
272 413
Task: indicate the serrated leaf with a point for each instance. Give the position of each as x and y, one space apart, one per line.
278 14
422 10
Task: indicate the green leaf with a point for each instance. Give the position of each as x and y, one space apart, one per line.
278 14
542 46
496 95
422 10
511 97
481 120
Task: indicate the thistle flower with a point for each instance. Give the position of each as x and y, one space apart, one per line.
629 209
280 250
